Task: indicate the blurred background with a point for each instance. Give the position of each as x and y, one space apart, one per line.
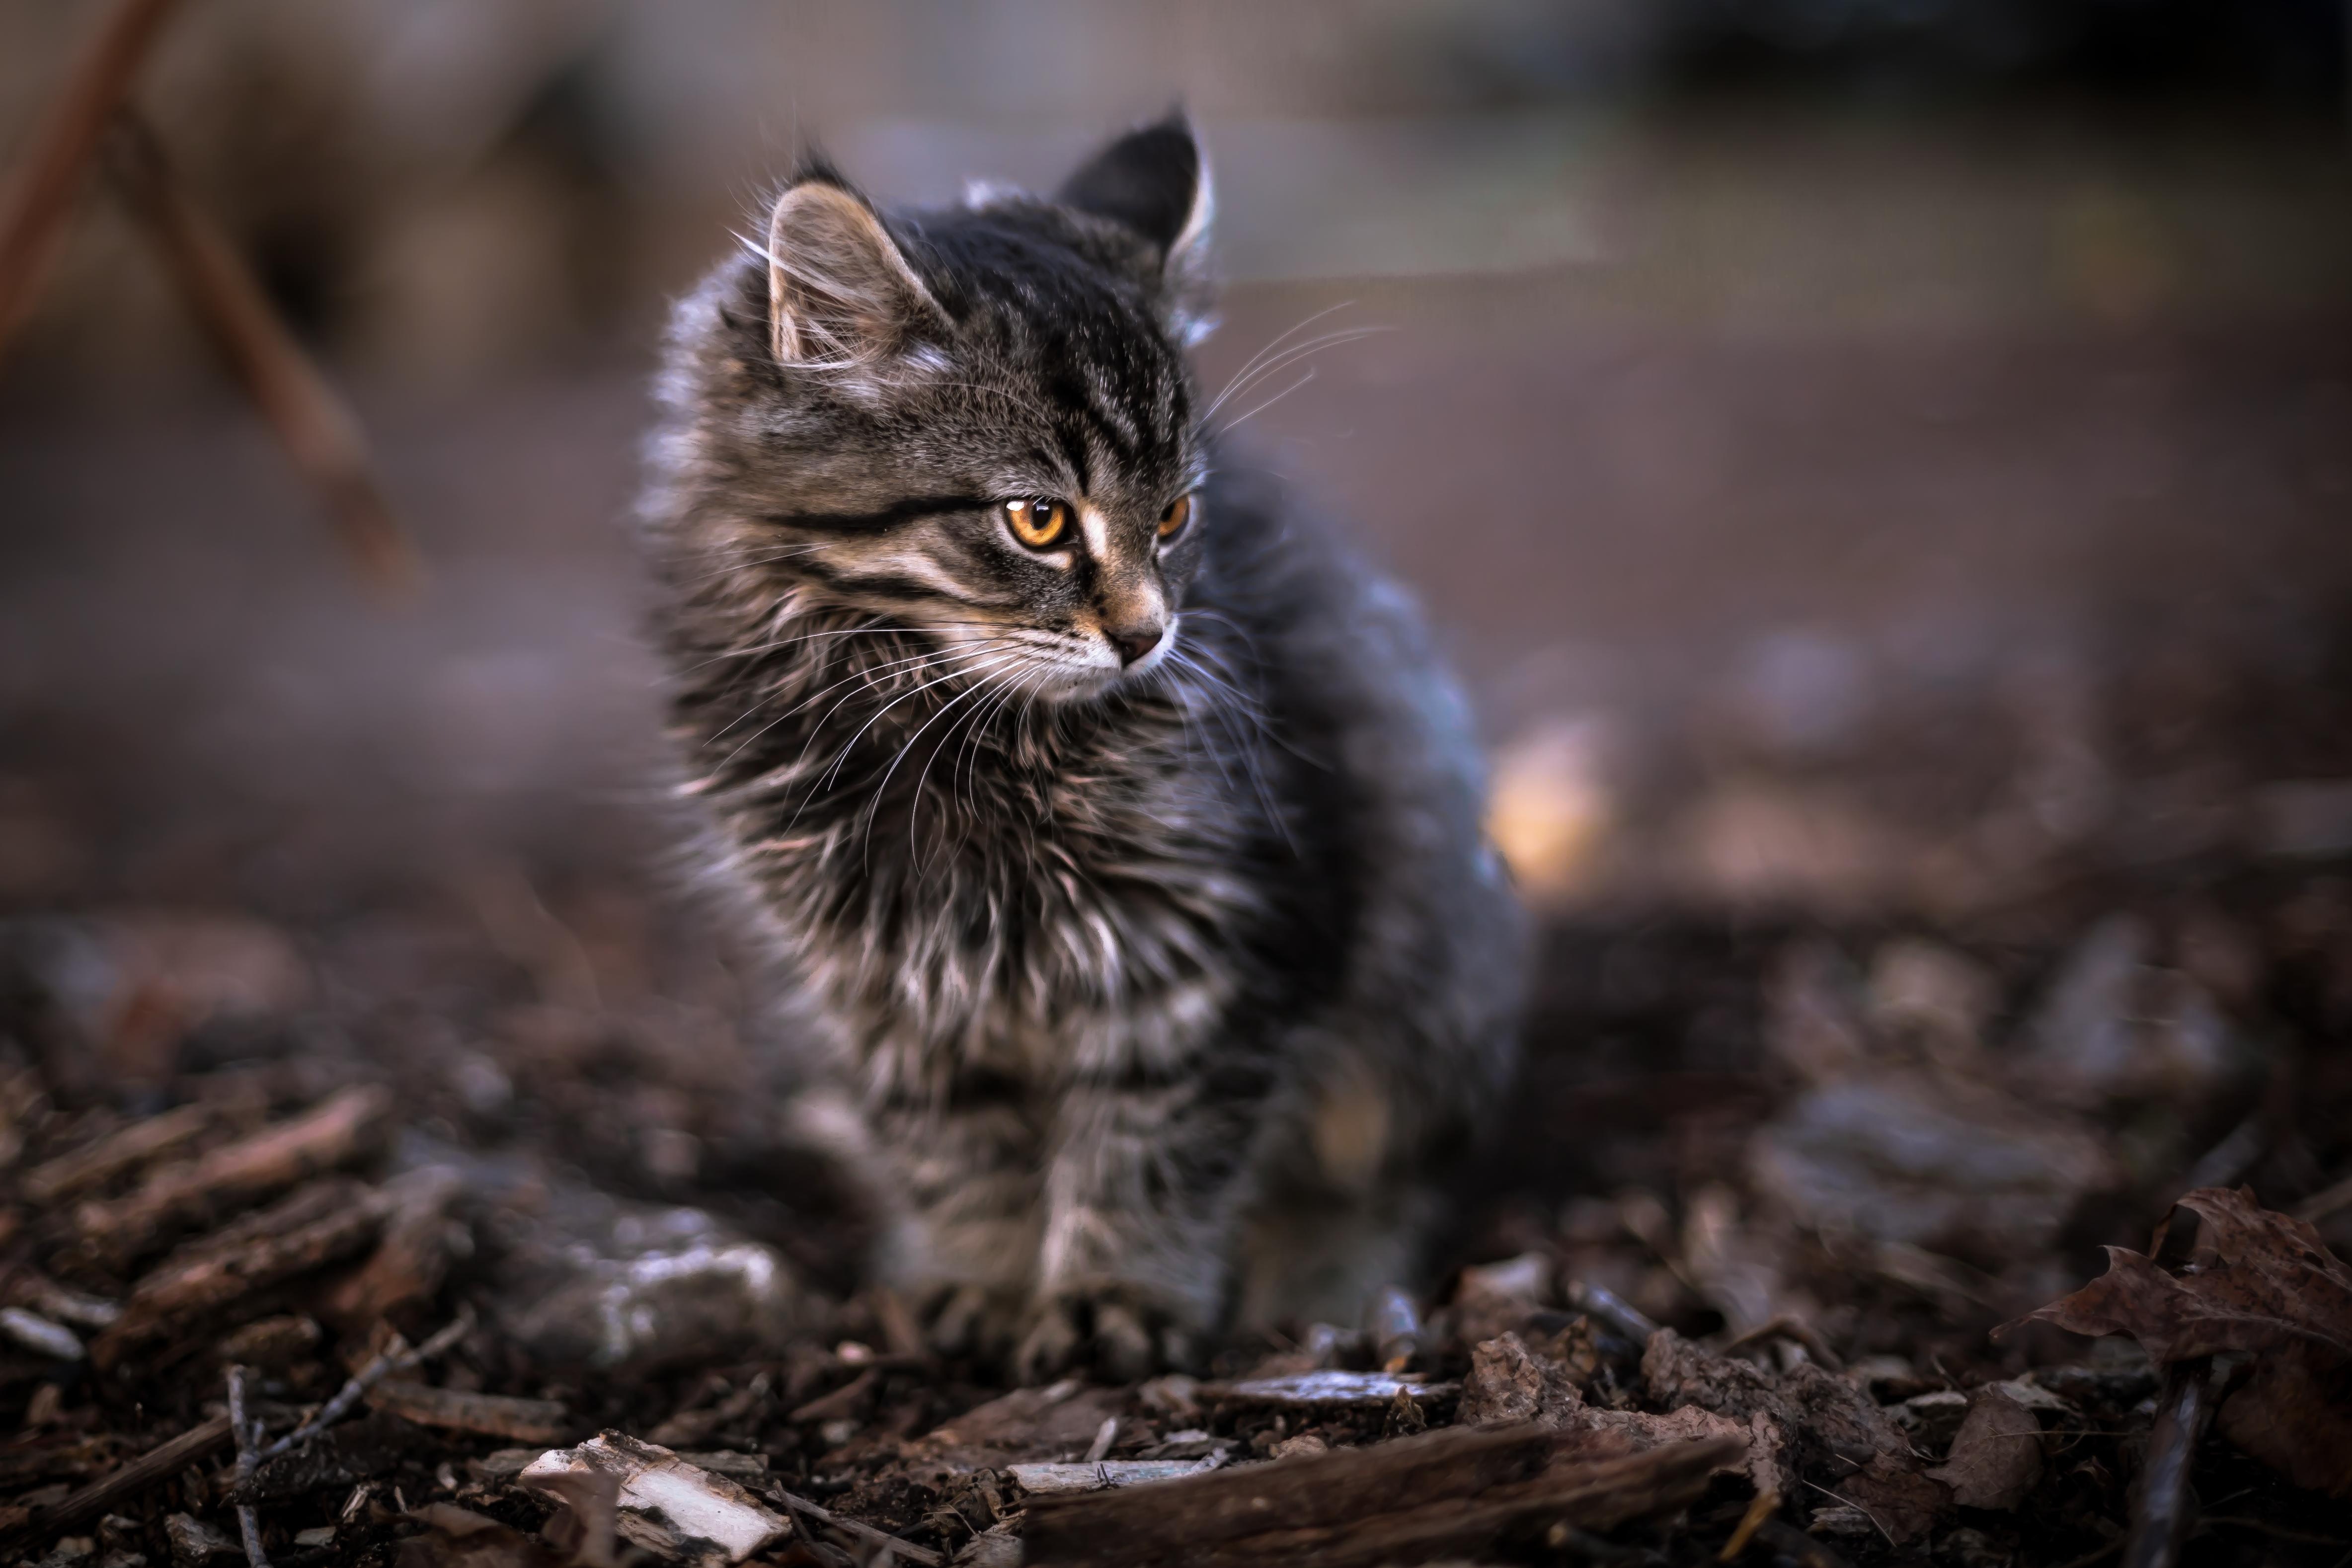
1882 466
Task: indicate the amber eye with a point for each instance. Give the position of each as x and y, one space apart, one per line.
1179 513
1037 523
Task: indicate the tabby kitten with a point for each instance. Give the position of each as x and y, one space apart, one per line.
1115 823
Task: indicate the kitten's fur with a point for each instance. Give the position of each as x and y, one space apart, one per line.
1145 994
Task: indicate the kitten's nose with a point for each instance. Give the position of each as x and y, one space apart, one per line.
1133 642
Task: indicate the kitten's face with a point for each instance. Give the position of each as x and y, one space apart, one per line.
981 426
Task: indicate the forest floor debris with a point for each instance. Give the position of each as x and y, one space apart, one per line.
467 1200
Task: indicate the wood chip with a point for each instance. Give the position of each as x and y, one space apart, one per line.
159 1463
1450 1493
69 1176
669 1507
318 1225
491 1414
1053 1480
336 1132
1363 1390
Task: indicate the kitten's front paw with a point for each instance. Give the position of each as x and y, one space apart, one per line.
972 1320
1113 1330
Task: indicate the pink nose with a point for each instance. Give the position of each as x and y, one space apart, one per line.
1133 642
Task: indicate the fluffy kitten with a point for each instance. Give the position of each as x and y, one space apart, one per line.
1115 821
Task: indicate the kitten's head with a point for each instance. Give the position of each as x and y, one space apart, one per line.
975 422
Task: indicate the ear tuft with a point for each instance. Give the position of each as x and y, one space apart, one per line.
1155 180
840 291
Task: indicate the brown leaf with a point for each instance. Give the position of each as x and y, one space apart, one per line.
1996 1456
2254 1282
1898 1497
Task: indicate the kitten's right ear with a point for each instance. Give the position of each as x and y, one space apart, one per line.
1155 180
840 291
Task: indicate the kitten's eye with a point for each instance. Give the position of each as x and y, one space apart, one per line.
1179 513
1037 523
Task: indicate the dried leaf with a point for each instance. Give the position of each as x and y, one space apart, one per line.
2256 1282
1996 1456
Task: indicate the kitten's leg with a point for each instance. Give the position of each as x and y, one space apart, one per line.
965 1242
1143 1192
1340 1211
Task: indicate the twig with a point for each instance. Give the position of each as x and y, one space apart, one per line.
35 219
53 1180
1764 1506
158 1464
313 423
248 1518
881 1540
2161 1510
367 1377
540 1421
1620 1317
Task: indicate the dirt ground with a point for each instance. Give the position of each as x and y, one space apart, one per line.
1931 755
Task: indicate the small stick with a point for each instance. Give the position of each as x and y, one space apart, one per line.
881 1540
2161 1510
313 423
248 1518
1619 1316
34 218
367 1377
1765 1505
160 1463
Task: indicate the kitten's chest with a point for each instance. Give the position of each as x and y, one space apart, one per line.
1096 921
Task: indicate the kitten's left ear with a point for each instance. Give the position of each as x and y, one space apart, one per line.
1156 181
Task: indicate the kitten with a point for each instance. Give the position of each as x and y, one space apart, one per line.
1115 822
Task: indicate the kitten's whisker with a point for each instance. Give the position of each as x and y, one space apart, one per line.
1232 425
1252 362
866 672
862 679
1287 358
915 806
832 772
823 785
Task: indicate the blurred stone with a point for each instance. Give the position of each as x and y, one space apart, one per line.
1901 1156
649 1290
1754 843
1811 1024
1799 692
2111 1025
2084 1029
1927 995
